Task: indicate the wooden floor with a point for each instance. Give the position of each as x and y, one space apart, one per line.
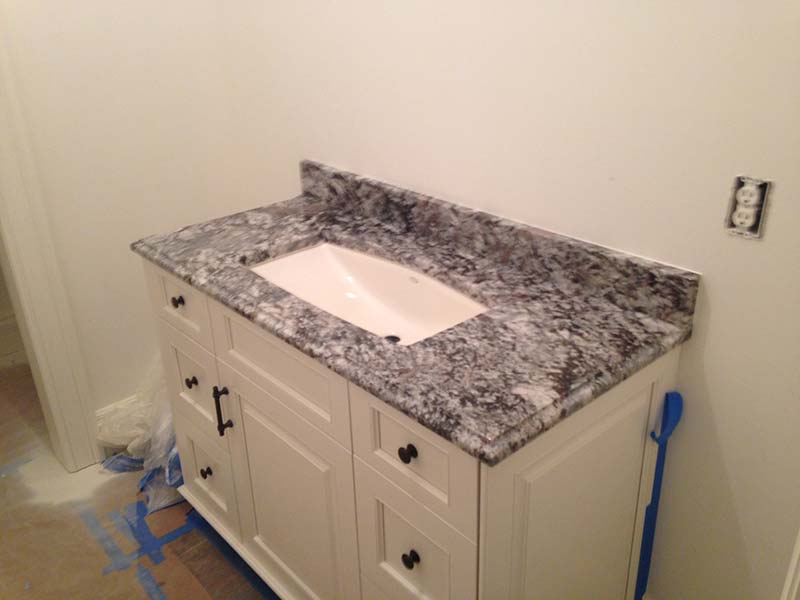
85 535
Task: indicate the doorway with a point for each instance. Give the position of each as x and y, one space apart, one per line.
12 351
22 422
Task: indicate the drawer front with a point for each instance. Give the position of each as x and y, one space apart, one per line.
441 476
303 385
405 549
180 305
207 473
191 374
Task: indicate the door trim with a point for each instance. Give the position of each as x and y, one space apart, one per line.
792 585
38 293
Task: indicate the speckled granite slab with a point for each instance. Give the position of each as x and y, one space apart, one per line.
567 320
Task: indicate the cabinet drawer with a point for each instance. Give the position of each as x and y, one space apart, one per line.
303 385
180 305
405 549
191 374
207 473
441 476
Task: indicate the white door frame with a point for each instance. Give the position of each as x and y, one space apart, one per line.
792 585
38 293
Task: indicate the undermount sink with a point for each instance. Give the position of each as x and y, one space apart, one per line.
378 295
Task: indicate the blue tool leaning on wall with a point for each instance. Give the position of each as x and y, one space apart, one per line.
673 409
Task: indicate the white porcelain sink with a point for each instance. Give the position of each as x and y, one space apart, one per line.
375 294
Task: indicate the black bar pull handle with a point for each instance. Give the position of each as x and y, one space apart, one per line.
177 301
410 559
218 393
407 453
190 381
206 473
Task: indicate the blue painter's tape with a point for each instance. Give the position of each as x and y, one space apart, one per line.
119 561
131 523
148 543
121 523
13 466
134 527
149 583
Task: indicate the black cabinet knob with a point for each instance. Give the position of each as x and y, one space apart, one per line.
207 472
190 383
410 559
177 301
407 453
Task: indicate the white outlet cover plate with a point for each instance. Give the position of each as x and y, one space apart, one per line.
746 214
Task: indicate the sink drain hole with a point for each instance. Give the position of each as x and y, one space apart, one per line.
393 339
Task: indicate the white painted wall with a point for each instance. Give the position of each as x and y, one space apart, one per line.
130 124
621 122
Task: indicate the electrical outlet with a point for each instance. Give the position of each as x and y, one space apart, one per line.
747 207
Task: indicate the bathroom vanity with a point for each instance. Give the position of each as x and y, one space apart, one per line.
505 456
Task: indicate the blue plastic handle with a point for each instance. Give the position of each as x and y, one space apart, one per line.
673 409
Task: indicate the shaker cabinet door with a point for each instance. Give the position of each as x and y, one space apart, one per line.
299 519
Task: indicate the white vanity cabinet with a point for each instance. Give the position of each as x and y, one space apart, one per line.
330 493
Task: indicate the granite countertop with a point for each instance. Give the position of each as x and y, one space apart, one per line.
566 320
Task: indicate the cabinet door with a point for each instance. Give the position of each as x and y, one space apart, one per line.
560 515
299 519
